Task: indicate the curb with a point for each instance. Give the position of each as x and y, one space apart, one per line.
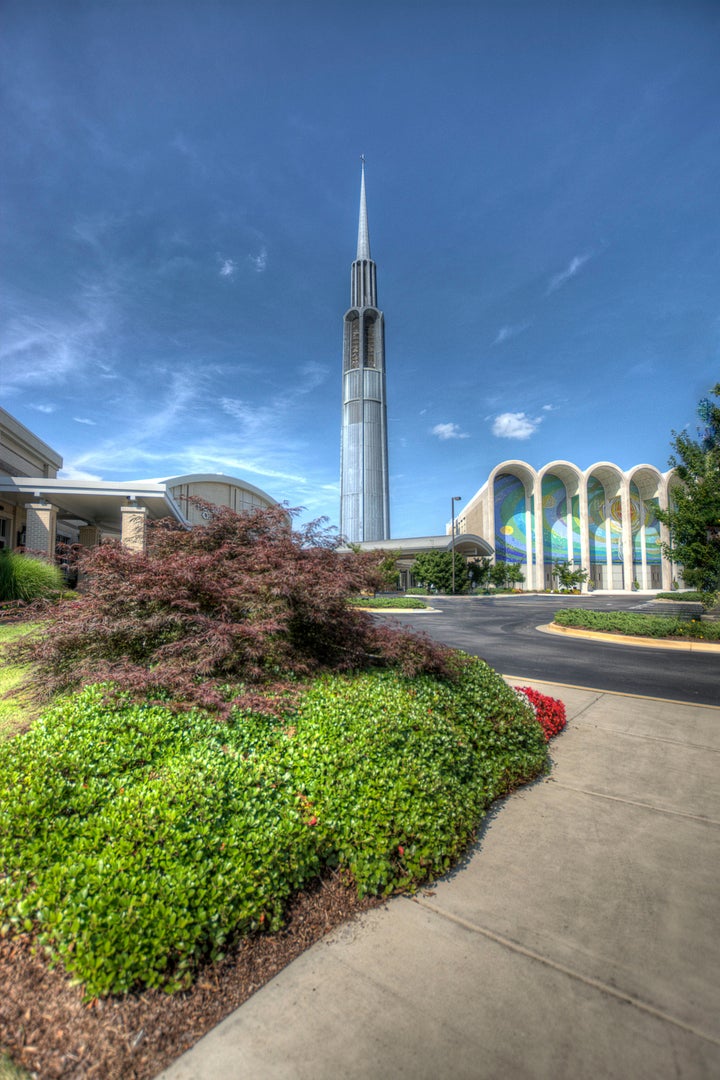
627 639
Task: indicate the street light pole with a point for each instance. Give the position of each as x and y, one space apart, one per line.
454 499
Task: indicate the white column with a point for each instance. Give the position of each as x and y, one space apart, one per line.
528 544
584 530
643 546
539 544
134 521
607 506
89 536
40 528
667 566
626 511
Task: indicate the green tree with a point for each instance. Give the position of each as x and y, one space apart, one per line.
387 568
694 516
515 575
506 575
569 576
434 569
479 572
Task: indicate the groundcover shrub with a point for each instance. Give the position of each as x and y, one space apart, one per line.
138 841
387 602
627 622
707 599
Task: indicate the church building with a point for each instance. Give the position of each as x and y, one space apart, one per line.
602 519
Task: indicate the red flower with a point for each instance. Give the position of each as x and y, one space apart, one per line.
549 712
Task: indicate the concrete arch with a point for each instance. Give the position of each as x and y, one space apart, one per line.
515 467
471 546
567 528
648 480
613 520
570 474
521 548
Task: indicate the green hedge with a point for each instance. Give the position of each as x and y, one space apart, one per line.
638 625
707 599
138 841
387 602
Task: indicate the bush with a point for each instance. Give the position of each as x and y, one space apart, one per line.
625 622
138 841
707 599
242 600
407 602
26 578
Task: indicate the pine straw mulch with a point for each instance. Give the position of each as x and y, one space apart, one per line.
46 1028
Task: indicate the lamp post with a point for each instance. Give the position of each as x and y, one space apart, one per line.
454 499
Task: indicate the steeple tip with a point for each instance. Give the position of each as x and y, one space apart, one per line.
363 247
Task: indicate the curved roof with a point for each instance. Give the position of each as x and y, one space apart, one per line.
218 478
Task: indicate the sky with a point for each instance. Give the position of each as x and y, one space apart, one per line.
178 216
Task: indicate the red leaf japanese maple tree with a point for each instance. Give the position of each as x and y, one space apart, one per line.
232 612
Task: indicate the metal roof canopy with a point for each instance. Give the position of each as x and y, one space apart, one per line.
465 543
94 502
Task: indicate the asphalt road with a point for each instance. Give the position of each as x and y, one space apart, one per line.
504 632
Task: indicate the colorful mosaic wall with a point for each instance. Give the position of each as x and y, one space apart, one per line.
510 523
510 539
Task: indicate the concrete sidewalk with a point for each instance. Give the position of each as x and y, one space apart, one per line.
580 938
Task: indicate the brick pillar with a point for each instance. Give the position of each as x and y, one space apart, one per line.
89 536
134 521
40 530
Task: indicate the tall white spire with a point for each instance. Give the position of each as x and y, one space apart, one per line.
364 488
363 246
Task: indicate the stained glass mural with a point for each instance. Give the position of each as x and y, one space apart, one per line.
554 519
510 540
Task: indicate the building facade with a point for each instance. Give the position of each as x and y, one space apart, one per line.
364 485
601 519
39 510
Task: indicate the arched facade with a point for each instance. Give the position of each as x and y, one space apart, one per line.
602 519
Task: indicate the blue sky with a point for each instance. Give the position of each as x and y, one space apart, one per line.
179 200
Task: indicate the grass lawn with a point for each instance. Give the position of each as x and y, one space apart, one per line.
15 710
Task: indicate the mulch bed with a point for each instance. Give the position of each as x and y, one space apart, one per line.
46 1028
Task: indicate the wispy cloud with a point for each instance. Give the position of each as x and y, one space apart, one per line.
515 425
227 268
505 333
313 375
69 472
47 344
449 431
259 261
574 267
43 408
83 420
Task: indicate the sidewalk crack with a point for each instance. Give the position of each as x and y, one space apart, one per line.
563 969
